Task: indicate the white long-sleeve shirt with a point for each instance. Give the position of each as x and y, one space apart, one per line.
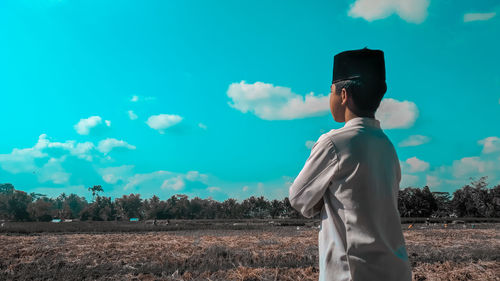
352 179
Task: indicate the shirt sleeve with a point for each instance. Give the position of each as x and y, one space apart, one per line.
306 192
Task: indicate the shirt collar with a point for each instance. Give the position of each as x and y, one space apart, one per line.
366 121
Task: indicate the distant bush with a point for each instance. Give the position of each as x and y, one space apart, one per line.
472 200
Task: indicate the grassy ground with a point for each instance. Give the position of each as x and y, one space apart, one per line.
268 253
143 226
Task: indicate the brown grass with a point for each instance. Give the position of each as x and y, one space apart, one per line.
283 253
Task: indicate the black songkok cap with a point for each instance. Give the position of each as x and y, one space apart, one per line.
362 64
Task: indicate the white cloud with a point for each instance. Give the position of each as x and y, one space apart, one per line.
394 114
414 140
23 160
416 165
196 176
105 146
141 98
176 183
213 188
260 188
245 188
164 179
471 167
163 121
432 181
408 180
271 102
34 160
84 126
460 171
138 179
288 181
132 115
113 175
490 144
310 144
203 126
414 11
81 150
20 160
53 171
468 17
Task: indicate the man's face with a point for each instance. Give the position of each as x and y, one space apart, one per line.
336 106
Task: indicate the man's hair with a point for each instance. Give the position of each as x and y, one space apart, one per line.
366 94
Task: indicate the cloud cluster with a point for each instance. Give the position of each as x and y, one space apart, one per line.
394 114
486 164
271 102
132 115
25 160
175 183
416 165
490 144
468 17
459 172
53 171
161 122
411 170
105 146
213 188
166 180
471 166
202 126
46 158
414 11
196 176
414 140
113 175
84 126
310 144
136 98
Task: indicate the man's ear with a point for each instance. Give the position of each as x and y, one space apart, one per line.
343 96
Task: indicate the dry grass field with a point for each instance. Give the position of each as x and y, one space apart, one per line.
278 253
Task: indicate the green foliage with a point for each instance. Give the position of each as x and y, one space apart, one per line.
476 200
416 202
41 210
472 200
102 209
130 206
16 207
6 189
95 190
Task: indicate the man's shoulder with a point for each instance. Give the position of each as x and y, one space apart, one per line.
328 139
336 134
345 137
323 142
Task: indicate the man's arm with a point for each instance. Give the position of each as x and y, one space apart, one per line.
306 192
318 207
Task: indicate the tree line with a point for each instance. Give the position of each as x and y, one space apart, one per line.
472 200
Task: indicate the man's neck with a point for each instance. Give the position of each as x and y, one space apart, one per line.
351 115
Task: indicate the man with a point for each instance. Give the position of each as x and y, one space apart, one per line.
352 180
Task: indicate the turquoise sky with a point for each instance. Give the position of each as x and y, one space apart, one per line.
224 98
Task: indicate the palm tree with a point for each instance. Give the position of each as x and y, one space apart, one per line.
95 191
